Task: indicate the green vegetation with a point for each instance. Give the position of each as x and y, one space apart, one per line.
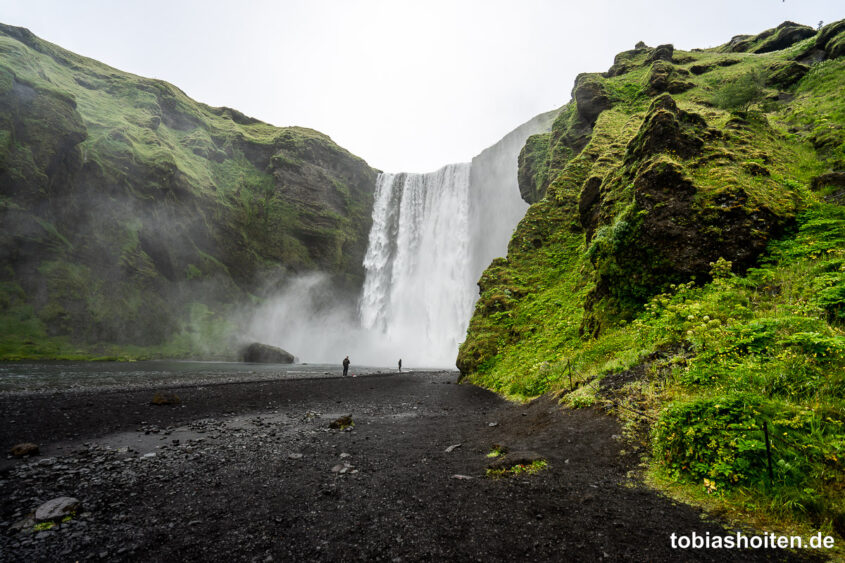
683 266
519 469
134 220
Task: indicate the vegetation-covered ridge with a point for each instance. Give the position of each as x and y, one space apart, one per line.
683 263
132 218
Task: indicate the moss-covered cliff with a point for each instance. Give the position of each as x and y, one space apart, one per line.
683 263
133 215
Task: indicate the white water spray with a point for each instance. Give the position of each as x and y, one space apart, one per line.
418 292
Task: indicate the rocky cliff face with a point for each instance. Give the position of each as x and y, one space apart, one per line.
131 214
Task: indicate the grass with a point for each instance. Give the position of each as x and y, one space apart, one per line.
519 469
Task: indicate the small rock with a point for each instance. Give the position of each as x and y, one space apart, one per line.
452 447
337 468
26 448
341 423
163 399
294 456
344 455
148 456
57 508
492 424
459 476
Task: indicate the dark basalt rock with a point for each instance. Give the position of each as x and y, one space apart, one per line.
588 208
667 128
590 97
677 230
258 353
662 53
665 77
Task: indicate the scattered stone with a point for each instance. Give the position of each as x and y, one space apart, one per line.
452 447
492 424
337 468
342 423
344 454
148 456
459 476
57 508
163 399
24 449
294 456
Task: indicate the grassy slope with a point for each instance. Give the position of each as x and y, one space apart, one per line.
694 368
135 215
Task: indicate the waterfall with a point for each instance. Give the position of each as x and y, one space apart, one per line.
432 236
418 292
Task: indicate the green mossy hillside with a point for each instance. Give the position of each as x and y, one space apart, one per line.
131 215
683 265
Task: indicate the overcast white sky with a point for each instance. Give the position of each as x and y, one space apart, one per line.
408 86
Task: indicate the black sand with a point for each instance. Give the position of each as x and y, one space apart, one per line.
231 491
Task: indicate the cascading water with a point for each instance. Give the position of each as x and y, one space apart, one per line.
418 292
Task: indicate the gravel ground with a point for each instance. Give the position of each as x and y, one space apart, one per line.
252 472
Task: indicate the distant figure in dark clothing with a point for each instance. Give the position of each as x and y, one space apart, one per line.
345 366
400 364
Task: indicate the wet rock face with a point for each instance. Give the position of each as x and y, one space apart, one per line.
588 206
258 353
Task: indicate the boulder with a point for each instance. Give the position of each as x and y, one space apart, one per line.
257 353
24 449
57 508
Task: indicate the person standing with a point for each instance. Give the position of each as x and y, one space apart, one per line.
400 364
345 366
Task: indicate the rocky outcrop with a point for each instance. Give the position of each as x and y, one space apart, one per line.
666 77
258 353
667 128
783 36
785 74
590 97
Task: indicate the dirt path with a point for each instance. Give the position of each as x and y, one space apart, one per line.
251 478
